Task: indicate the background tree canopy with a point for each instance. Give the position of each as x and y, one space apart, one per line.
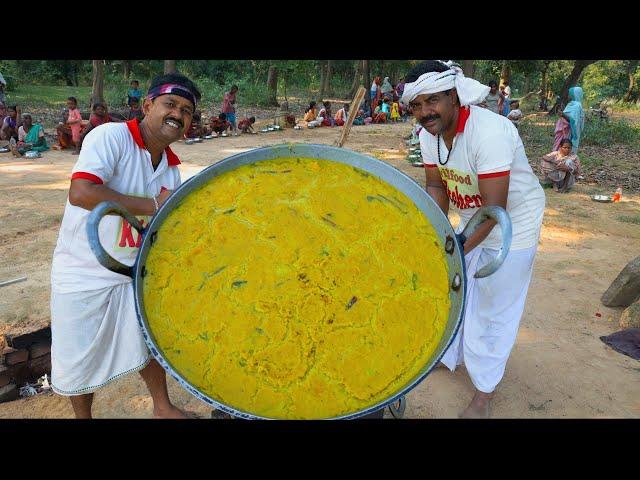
613 80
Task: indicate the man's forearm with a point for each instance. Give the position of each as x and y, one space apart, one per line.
439 194
87 195
479 235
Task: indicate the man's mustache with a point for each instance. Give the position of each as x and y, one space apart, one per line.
429 118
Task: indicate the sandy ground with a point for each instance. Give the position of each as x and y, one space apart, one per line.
558 368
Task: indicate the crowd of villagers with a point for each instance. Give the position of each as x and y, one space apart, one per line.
560 168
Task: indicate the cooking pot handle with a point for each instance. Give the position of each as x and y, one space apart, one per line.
501 216
106 260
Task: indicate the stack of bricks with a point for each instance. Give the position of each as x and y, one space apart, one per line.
24 359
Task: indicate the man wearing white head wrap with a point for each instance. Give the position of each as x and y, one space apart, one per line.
472 158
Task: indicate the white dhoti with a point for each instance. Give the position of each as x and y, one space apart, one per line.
95 338
494 307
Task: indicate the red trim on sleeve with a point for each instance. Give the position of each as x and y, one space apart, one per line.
463 116
87 176
493 175
430 165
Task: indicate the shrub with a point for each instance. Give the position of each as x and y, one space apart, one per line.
608 132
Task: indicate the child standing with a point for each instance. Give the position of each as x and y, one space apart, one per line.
134 92
74 121
229 107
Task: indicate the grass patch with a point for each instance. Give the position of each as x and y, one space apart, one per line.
591 161
635 219
52 96
609 132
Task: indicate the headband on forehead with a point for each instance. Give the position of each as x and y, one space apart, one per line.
173 89
469 91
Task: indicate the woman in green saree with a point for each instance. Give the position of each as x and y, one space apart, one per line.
30 137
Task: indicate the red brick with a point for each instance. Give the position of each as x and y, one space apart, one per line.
39 349
5 378
15 357
9 392
39 366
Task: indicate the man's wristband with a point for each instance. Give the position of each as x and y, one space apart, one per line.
155 203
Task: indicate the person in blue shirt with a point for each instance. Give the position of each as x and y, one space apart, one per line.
134 92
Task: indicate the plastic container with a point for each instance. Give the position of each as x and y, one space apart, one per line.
618 195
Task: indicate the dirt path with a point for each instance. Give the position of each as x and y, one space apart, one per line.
558 368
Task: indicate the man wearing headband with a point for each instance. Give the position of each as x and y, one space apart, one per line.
95 332
473 157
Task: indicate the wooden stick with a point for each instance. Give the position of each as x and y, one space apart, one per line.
355 106
9 282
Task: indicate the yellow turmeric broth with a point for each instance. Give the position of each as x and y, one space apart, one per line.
297 289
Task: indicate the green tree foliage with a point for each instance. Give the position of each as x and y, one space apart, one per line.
605 79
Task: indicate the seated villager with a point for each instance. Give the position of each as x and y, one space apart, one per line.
562 167
99 116
381 113
3 112
135 109
30 137
10 124
515 115
327 117
342 115
70 126
246 125
219 125
310 114
196 130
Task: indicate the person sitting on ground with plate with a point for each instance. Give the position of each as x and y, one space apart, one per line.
30 137
561 167
342 115
246 125
219 125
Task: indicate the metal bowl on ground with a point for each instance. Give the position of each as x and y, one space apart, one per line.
189 141
197 140
32 154
602 198
264 130
208 137
4 150
451 244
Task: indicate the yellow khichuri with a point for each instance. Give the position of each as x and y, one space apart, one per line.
297 288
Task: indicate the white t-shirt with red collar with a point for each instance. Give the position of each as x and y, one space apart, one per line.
112 154
488 145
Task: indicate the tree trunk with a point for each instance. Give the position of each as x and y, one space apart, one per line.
627 96
97 90
571 81
468 68
272 85
323 74
543 87
169 66
327 79
356 78
367 78
126 69
527 83
505 75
